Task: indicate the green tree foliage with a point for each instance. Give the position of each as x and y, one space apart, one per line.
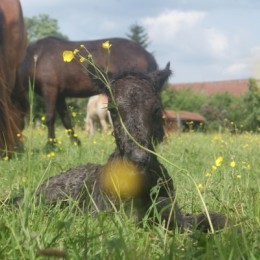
185 99
42 26
252 106
139 35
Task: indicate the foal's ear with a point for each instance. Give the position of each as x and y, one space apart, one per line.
160 77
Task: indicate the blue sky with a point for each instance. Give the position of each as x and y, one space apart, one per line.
205 40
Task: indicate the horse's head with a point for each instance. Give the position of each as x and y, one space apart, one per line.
135 102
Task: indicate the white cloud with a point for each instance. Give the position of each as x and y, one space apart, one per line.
255 52
237 68
217 42
167 24
108 25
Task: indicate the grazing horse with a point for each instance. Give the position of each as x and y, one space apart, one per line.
12 50
135 102
97 114
56 80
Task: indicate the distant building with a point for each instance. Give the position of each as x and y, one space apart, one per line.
181 120
233 87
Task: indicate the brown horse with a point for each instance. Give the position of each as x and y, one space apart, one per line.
56 80
12 50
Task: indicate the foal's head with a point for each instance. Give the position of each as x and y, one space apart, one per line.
138 106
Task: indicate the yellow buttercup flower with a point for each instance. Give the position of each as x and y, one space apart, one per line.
233 164
200 187
219 161
122 178
82 59
214 168
68 56
208 174
24 180
43 118
106 45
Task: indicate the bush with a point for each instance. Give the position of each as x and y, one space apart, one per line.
220 110
186 99
252 106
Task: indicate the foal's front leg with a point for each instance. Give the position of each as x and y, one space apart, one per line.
65 118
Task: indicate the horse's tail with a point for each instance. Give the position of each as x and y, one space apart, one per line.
8 119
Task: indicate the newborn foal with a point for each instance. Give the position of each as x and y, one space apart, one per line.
136 113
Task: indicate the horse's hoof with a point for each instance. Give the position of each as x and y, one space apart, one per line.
75 141
50 145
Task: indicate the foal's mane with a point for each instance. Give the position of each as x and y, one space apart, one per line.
131 73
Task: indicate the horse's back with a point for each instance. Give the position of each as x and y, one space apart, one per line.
124 54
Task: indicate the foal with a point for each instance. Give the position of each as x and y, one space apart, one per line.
97 113
136 113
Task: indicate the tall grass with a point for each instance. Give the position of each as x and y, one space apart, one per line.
33 230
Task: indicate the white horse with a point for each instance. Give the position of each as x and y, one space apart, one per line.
97 114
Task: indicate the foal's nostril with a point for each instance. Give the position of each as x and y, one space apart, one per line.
139 156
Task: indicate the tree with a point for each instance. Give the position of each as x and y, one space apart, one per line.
42 26
252 106
138 34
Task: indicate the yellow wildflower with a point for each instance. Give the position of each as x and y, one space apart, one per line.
214 168
43 118
94 142
122 178
232 164
106 45
6 158
208 174
200 187
239 176
219 161
82 59
75 51
24 180
74 114
68 56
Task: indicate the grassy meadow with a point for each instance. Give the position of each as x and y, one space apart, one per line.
223 168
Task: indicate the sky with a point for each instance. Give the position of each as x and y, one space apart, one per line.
204 40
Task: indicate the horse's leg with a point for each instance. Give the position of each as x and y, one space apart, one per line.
89 126
104 125
50 99
65 118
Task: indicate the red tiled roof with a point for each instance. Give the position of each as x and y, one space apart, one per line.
183 115
234 87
